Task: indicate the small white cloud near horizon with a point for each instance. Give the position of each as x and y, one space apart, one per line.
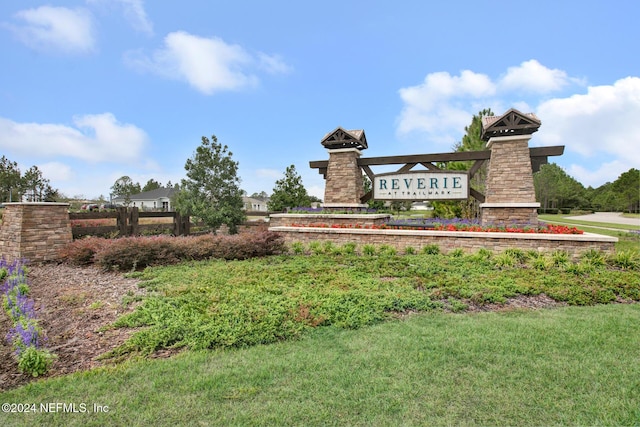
531 76
134 13
56 171
59 29
209 65
606 172
269 173
95 138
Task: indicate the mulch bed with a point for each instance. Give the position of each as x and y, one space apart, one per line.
72 304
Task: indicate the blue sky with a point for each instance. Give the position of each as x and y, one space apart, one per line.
91 90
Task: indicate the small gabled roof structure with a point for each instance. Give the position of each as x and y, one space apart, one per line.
513 122
340 138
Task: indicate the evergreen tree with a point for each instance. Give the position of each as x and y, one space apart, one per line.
288 192
152 184
627 189
125 187
35 186
471 141
555 189
211 191
10 181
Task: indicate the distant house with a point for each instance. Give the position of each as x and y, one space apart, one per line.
160 200
253 204
154 200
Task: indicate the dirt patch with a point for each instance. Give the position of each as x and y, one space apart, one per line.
72 304
516 303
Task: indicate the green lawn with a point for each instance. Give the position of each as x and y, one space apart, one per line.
343 339
567 366
626 241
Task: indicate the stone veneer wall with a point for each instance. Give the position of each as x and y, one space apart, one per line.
510 194
34 231
344 185
574 244
514 215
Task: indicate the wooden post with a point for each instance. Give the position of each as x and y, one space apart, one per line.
121 221
176 224
186 225
134 221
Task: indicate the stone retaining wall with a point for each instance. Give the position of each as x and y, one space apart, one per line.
34 231
574 244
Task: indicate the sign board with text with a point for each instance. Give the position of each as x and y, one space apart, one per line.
421 185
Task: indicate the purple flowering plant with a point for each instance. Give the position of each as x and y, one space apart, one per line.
26 337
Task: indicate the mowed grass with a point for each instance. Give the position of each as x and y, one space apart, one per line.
337 338
564 366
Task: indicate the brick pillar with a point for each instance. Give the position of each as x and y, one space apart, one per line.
344 184
34 231
510 195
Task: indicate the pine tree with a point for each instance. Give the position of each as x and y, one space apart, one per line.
211 191
288 192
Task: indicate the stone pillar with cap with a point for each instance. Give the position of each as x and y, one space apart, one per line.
509 194
344 183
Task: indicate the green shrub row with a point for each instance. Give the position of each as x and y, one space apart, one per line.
130 253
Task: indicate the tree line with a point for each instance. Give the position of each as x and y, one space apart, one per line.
30 186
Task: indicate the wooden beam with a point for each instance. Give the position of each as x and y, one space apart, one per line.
407 167
477 165
369 173
476 195
430 166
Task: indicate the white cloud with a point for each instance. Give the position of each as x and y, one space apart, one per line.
269 173
55 28
602 121
441 106
56 171
434 106
273 64
606 172
599 126
209 65
531 76
95 138
134 13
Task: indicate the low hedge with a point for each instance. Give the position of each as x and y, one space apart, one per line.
130 253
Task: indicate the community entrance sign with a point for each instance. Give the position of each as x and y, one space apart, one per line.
421 185
506 193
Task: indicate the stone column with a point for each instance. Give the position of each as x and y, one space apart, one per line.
34 231
344 185
509 195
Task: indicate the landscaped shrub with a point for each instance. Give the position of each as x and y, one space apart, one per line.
431 249
131 253
82 251
26 336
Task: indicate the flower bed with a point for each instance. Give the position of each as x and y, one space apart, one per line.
26 337
448 225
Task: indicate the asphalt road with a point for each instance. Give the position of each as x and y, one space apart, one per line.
612 217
